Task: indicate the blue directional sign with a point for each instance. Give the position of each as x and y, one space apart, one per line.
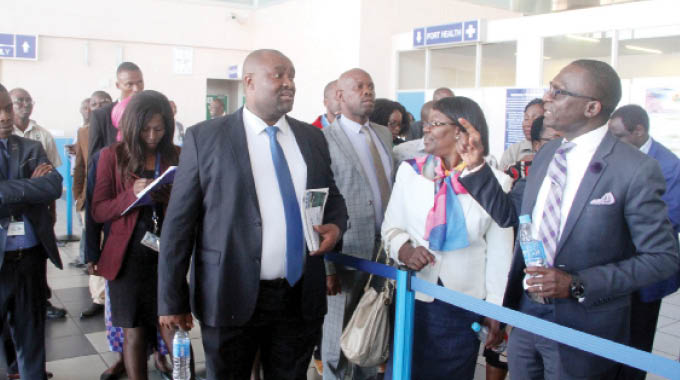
19 46
455 33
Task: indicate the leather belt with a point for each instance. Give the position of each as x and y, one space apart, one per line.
16 256
277 283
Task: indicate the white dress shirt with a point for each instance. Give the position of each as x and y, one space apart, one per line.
578 159
353 131
479 270
646 146
273 265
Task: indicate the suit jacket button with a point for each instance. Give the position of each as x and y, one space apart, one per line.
370 203
232 316
258 223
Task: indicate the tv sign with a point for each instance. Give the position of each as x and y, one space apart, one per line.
19 46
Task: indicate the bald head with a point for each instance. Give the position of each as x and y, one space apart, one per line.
6 113
269 83
356 94
442 92
330 100
425 110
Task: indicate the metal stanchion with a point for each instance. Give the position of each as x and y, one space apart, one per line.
69 237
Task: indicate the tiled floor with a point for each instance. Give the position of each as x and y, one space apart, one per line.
77 349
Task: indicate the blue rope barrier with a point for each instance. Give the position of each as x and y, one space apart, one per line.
565 335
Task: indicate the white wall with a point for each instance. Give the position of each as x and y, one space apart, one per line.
320 37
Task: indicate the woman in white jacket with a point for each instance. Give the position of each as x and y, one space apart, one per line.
433 226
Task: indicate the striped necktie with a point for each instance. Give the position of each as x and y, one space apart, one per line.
549 231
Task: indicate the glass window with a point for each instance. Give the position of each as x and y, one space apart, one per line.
652 52
559 51
412 70
453 67
498 64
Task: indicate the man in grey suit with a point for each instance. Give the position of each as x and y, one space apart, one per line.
361 161
595 202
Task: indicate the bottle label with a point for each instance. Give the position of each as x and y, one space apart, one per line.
181 349
533 252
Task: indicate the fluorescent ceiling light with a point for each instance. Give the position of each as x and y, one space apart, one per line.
546 57
582 38
644 50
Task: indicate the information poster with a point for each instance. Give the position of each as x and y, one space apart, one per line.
515 101
663 106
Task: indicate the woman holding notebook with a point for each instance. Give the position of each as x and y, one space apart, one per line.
129 259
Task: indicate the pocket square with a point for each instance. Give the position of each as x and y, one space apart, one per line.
607 199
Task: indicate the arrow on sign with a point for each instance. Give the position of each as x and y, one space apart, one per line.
26 46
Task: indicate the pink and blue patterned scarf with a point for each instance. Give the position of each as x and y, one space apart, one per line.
445 228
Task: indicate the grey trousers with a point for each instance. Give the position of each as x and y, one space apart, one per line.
340 309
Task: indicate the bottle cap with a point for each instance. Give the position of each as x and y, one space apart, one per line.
526 218
476 327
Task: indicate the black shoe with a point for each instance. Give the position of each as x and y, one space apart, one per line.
55 312
77 264
94 309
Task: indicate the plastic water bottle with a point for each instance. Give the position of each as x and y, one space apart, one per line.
181 355
483 332
532 250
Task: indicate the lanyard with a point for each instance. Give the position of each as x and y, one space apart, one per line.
156 173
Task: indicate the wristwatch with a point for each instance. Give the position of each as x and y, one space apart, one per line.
577 289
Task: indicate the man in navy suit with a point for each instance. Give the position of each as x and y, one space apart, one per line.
630 124
235 212
28 184
596 204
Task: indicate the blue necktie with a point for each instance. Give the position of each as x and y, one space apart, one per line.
291 208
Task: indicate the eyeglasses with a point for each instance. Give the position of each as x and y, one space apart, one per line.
25 101
554 92
439 124
393 123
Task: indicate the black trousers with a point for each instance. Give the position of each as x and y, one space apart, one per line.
277 329
23 288
643 318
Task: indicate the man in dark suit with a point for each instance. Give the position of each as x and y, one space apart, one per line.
235 205
607 231
28 183
630 124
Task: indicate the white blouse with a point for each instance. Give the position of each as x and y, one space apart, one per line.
479 270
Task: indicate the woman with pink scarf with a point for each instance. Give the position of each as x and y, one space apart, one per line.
435 227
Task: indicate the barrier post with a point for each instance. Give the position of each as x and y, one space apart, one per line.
69 237
403 327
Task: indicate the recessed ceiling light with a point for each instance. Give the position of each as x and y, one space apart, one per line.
643 49
582 38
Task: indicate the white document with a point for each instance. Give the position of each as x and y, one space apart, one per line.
143 198
314 205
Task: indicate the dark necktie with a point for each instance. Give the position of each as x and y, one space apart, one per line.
291 208
4 160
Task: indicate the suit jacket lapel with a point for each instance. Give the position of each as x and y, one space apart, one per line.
236 139
592 175
337 133
536 176
303 144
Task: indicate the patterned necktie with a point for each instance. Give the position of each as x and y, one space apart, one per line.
383 185
549 232
4 160
291 208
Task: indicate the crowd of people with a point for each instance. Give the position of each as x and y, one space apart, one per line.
601 192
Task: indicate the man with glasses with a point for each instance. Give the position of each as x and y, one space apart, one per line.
596 205
24 126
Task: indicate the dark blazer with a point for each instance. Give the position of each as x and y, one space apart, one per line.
670 167
112 195
102 132
615 249
214 219
30 196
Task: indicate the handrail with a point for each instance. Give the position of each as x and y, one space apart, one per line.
407 283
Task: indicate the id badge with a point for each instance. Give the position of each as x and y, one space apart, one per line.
152 241
16 229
